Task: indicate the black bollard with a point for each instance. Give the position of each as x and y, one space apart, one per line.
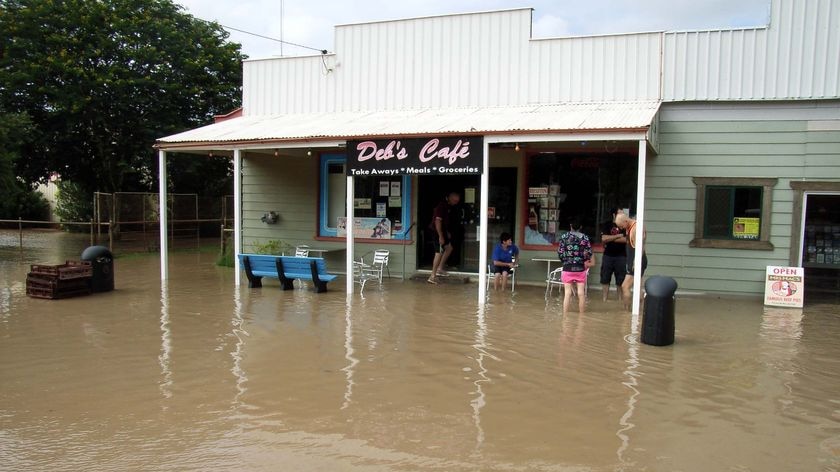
103 268
658 322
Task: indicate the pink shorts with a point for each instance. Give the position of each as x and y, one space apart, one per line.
569 277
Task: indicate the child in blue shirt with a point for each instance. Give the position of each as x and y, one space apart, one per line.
503 263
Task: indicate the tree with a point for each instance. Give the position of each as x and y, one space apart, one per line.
18 200
102 79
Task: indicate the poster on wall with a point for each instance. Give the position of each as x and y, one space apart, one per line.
746 228
362 203
384 189
372 228
784 286
381 210
395 202
395 188
469 195
450 155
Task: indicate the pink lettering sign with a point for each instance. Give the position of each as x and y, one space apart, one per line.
369 149
460 150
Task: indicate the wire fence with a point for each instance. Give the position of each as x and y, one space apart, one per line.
130 222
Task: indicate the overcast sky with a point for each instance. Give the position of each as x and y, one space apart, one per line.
311 22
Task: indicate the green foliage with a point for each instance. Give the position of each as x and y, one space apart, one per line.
273 246
226 259
102 79
19 200
73 202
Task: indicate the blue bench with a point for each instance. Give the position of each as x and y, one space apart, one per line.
287 269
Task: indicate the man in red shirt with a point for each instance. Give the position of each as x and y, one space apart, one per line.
441 236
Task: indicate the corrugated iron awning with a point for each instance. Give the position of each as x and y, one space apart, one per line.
564 117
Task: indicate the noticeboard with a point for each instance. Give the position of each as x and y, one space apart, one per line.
416 156
746 228
784 286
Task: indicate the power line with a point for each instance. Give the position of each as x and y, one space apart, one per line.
322 51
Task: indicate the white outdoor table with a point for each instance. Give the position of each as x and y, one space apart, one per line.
320 252
548 262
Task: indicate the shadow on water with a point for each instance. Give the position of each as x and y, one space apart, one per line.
197 374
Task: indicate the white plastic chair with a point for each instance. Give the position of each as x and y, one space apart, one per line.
379 265
556 278
361 275
492 275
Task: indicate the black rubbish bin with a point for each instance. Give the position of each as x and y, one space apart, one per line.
658 323
103 268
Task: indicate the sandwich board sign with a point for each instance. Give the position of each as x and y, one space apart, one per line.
784 286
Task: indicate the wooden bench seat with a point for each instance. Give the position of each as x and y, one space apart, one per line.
286 269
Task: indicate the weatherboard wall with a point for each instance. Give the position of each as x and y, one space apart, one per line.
784 140
288 185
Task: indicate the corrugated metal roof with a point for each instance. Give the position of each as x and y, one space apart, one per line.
486 120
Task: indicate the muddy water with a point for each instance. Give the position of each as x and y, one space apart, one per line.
197 375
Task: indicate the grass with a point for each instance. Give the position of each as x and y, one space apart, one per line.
203 249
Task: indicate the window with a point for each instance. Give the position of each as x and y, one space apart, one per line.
733 213
378 199
563 186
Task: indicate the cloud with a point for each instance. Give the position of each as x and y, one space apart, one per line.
549 26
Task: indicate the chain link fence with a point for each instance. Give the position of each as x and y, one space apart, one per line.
130 222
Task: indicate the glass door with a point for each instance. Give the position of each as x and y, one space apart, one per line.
821 245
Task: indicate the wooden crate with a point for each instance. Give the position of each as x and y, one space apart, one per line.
67 271
45 286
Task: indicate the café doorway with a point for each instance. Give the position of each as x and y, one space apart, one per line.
821 245
464 217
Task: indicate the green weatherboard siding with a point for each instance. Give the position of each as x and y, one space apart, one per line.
694 145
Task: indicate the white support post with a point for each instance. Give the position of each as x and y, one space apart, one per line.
163 215
350 196
640 227
483 221
237 212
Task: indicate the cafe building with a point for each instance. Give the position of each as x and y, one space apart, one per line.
725 142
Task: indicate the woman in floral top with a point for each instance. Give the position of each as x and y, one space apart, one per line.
575 251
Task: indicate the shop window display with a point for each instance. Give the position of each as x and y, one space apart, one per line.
565 186
381 203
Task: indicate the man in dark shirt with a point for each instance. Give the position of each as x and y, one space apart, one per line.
441 236
615 255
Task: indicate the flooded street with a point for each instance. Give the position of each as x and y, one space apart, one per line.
200 375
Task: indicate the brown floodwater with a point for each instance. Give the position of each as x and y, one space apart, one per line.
201 375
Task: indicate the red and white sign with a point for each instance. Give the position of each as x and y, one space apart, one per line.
784 286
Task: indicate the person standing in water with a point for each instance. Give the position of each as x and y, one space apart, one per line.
615 255
441 237
628 225
575 252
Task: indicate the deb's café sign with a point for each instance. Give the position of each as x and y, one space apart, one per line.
415 156
784 286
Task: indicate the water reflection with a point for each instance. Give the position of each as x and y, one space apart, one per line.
5 302
238 331
481 346
348 353
165 356
631 382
